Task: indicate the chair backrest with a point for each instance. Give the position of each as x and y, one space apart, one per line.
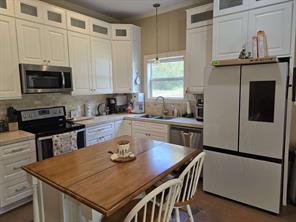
157 205
190 177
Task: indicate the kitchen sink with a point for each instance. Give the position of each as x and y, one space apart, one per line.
150 116
165 117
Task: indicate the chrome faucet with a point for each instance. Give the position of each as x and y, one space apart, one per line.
164 110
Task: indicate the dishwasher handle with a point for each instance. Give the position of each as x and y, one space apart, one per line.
187 138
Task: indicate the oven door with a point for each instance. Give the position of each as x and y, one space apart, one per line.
45 79
45 146
263 107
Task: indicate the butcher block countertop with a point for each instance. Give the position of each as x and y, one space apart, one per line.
15 137
89 176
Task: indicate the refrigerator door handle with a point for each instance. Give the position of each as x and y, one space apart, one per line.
294 86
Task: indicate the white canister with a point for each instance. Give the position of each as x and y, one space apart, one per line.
87 109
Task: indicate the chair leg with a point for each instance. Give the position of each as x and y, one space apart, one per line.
177 214
190 213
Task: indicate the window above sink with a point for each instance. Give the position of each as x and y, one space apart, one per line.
165 78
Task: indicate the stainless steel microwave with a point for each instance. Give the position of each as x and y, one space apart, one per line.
45 79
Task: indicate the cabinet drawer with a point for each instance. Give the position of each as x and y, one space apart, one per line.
100 129
17 149
15 190
10 168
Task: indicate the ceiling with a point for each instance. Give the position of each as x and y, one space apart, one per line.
124 9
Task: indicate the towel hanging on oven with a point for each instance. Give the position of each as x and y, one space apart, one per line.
63 143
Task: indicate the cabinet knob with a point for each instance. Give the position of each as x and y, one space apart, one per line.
48 61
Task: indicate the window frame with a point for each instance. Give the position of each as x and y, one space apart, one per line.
163 56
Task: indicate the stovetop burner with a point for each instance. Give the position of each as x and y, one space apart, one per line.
46 121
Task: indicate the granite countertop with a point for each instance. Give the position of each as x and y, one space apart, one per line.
14 137
179 121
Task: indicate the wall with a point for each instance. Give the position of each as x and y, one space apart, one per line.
46 100
172 37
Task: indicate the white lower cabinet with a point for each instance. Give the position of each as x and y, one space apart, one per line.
152 131
123 127
9 72
99 133
15 184
259 184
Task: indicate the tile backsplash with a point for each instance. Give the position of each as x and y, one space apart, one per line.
47 100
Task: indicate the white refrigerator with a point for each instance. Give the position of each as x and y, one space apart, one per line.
244 133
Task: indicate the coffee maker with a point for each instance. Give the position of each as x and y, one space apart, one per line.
138 101
111 104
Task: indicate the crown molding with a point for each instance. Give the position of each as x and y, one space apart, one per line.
162 10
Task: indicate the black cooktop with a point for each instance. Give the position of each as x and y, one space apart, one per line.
49 130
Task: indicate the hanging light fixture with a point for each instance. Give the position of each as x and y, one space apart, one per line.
156 6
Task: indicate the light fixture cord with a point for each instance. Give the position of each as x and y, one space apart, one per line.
156 21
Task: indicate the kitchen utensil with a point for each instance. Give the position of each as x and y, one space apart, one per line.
87 109
3 126
101 109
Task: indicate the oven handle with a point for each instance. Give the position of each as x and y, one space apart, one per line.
50 137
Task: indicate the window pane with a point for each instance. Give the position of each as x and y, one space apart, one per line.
167 88
169 69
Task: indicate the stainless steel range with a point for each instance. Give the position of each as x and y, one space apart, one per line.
49 123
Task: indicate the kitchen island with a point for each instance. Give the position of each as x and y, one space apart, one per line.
89 177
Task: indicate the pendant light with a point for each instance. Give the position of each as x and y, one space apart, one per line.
156 6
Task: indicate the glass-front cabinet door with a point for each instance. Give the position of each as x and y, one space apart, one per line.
6 7
54 16
223 7
29 10
260 3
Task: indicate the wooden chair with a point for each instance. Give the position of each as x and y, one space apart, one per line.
163 199
189 177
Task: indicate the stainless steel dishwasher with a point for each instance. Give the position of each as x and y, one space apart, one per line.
187 136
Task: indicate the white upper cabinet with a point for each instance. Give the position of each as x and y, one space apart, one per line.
122 66
126 57
56 43
230 34
29 10
223 7
101 51
80 61
42 45
262 3
9 72
54 16
276 22
198 57
121 32
200 16
7 7
31 42
77 22
100 29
